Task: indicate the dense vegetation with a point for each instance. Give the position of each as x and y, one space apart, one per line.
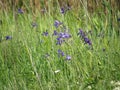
60 48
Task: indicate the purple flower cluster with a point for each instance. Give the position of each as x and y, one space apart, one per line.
20 11
61 53
84 37
87 41
64 35
61 37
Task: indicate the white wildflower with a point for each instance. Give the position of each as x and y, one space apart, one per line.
57 71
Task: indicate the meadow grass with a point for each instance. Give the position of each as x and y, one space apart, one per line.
30 58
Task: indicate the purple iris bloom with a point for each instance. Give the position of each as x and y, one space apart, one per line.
87 41
60 53
68 57
65 35
57 23
20 11
55 32
45 33
61 37
59 41
81 33
62 10
8 37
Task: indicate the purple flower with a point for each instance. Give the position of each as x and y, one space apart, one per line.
62 10
68 57
64 35
81 33
61 37
60 53
59 41
8 37
87 41
20 11
55 32
84 38
57 23
45 33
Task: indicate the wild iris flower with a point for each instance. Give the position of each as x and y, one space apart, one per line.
84 37
55 32
81 33
68 57
62 10
57 23
59 41
45 33
20 11
60 53
61 37
8 37
64 35
87 41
